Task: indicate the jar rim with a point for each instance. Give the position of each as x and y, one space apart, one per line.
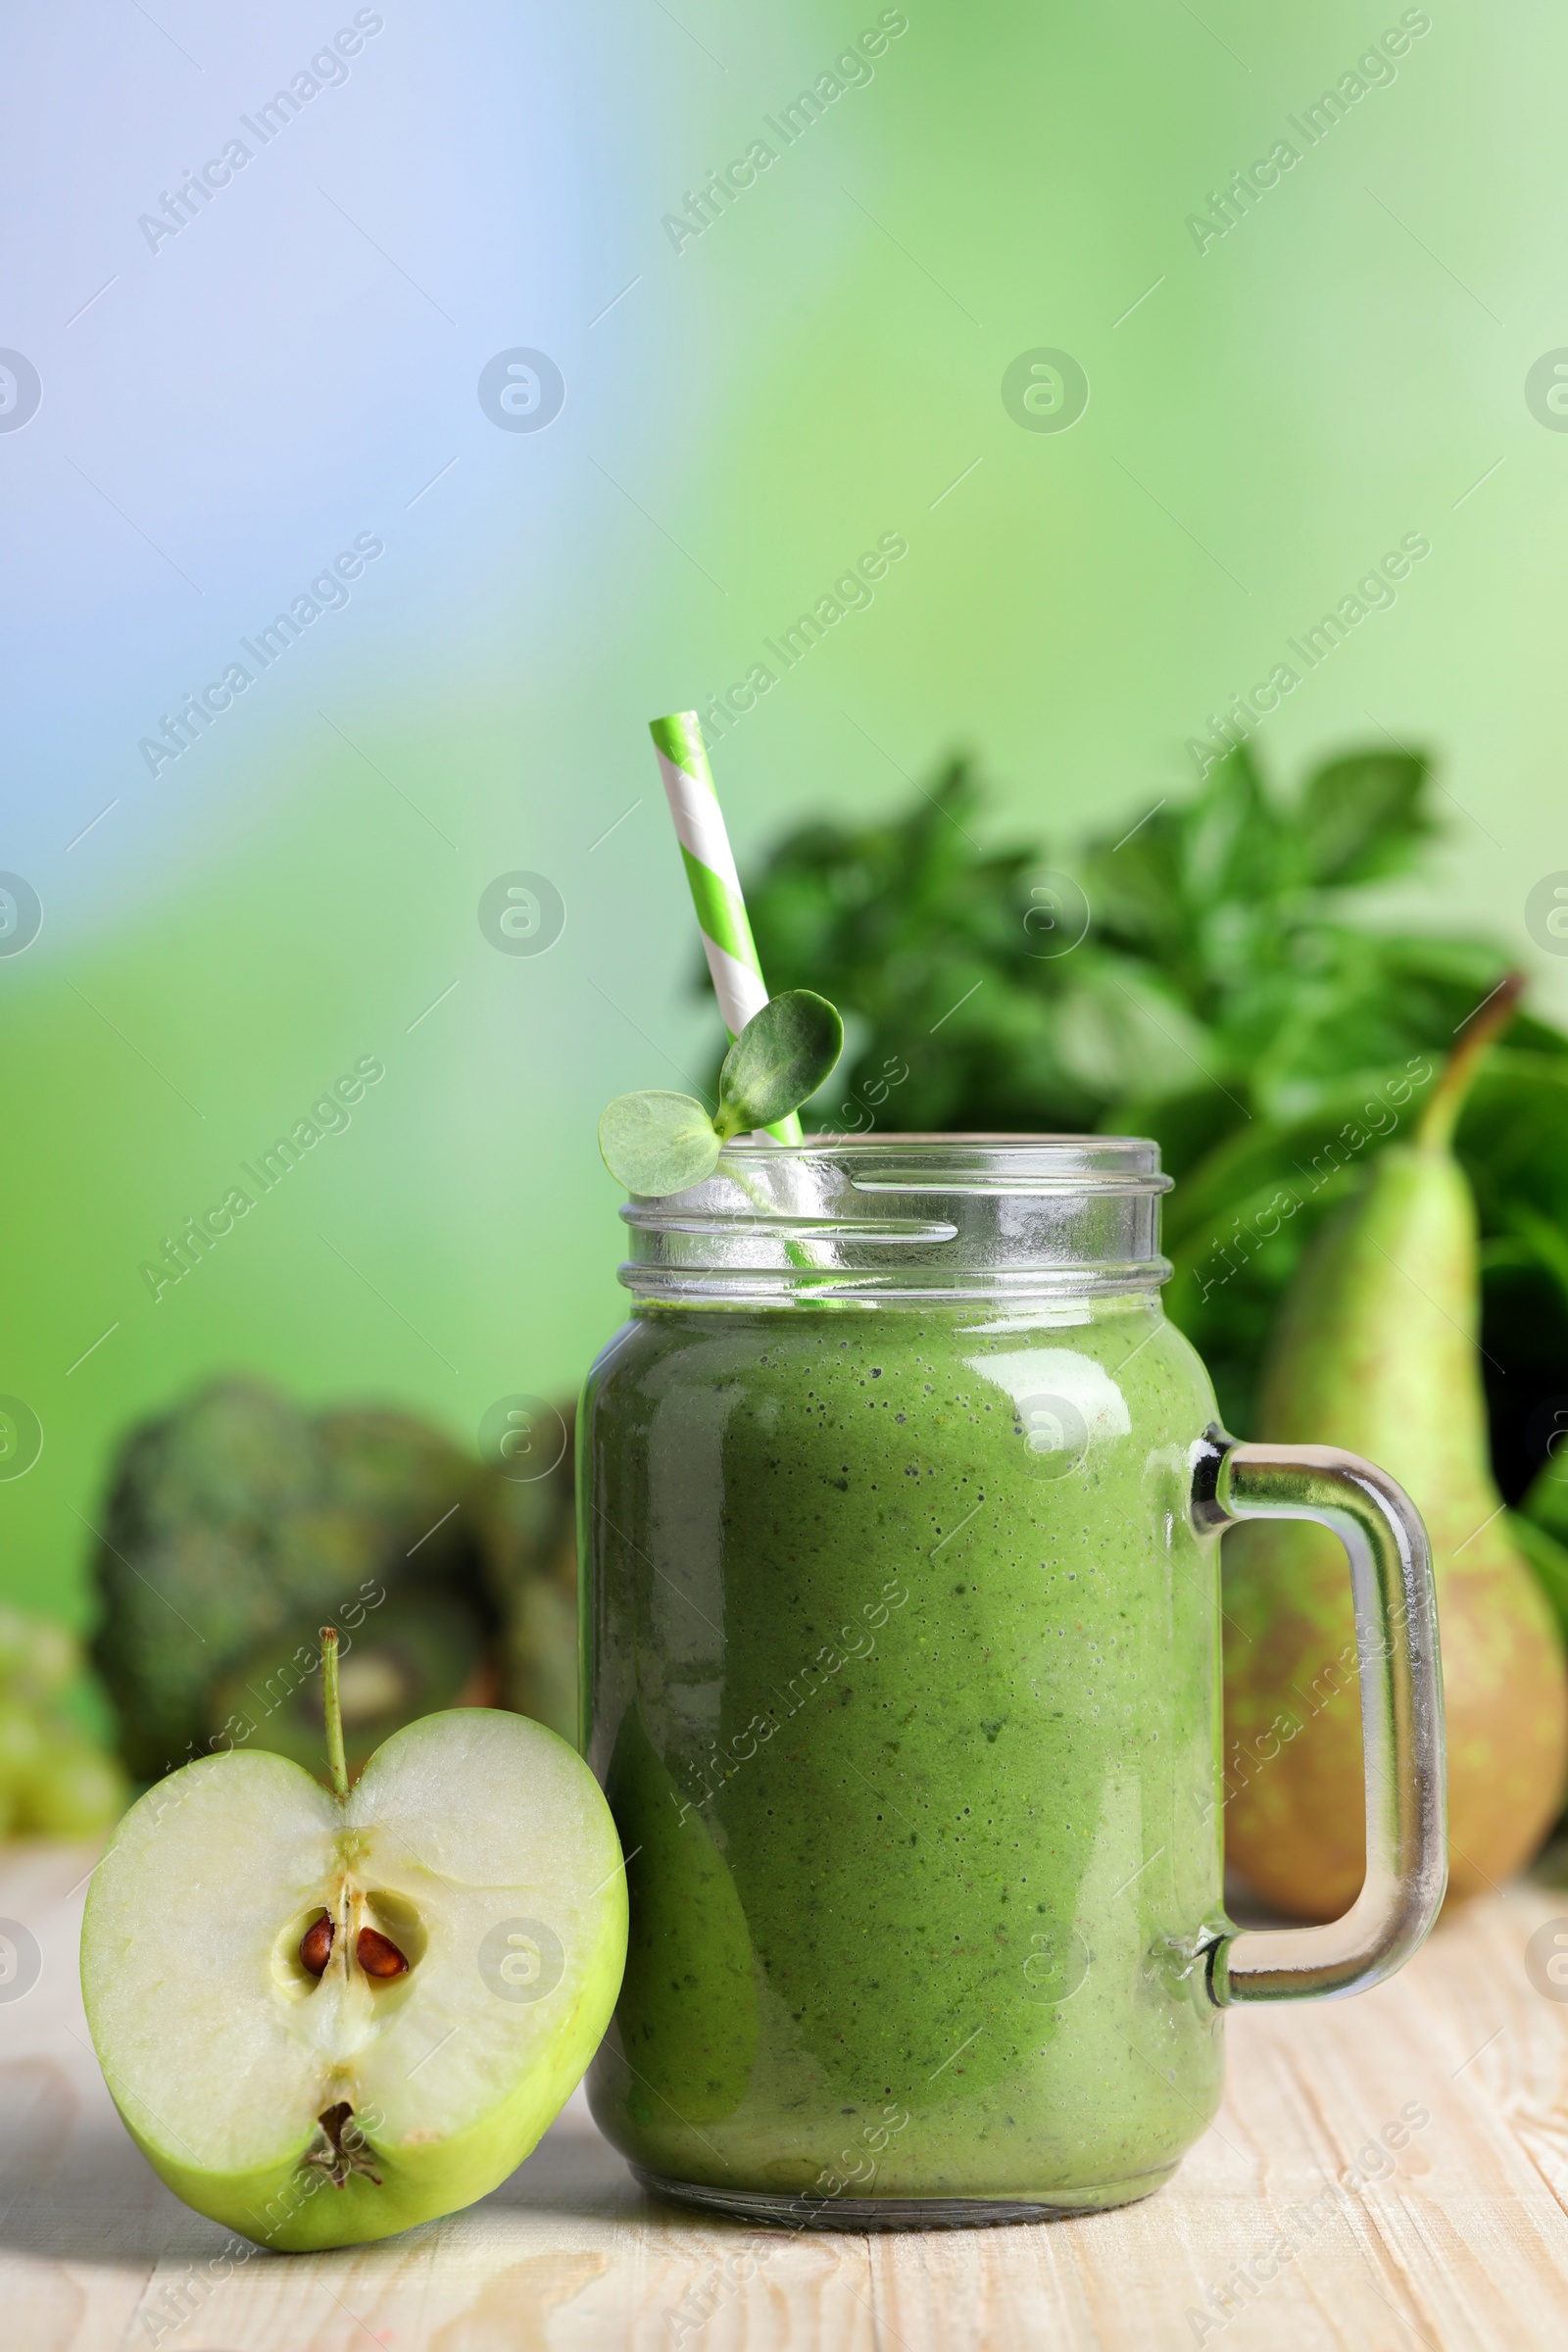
1022 1164
899 1216
1140 1150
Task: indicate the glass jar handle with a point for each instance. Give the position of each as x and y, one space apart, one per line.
1401 1715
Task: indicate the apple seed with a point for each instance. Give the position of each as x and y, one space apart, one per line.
315 1945
377 1955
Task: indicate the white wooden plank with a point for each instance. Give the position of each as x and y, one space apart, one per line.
1456 2239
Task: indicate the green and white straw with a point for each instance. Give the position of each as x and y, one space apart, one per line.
721 917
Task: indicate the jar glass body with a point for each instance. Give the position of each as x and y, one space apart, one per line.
902 1673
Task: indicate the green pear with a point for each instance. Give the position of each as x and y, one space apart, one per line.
326 2014
1376 1350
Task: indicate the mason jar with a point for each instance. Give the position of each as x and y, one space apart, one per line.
899 1508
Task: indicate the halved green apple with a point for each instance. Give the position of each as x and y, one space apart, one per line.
327 2017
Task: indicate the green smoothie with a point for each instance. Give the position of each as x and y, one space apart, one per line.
902 1679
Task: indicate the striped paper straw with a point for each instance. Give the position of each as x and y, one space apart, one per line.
721 917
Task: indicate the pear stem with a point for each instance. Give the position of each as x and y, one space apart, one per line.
1435 1129
336 1761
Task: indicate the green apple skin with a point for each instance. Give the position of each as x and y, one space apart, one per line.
283 2204
276 2209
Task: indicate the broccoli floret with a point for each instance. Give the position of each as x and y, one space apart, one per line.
238 1525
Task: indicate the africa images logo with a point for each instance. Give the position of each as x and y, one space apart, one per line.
328 70
326 593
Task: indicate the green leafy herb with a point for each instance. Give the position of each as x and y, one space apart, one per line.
1544 1550
778 1061
657 1143
1230 998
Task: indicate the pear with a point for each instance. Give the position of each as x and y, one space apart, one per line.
1376 1350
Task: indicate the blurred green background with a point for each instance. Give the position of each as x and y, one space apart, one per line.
821 365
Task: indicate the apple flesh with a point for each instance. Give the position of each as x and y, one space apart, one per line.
323 2020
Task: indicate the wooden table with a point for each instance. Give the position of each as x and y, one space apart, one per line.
1457 2240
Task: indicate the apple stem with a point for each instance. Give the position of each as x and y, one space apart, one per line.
336 1761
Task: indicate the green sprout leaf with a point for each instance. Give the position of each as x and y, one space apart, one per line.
778 1061
657 1143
